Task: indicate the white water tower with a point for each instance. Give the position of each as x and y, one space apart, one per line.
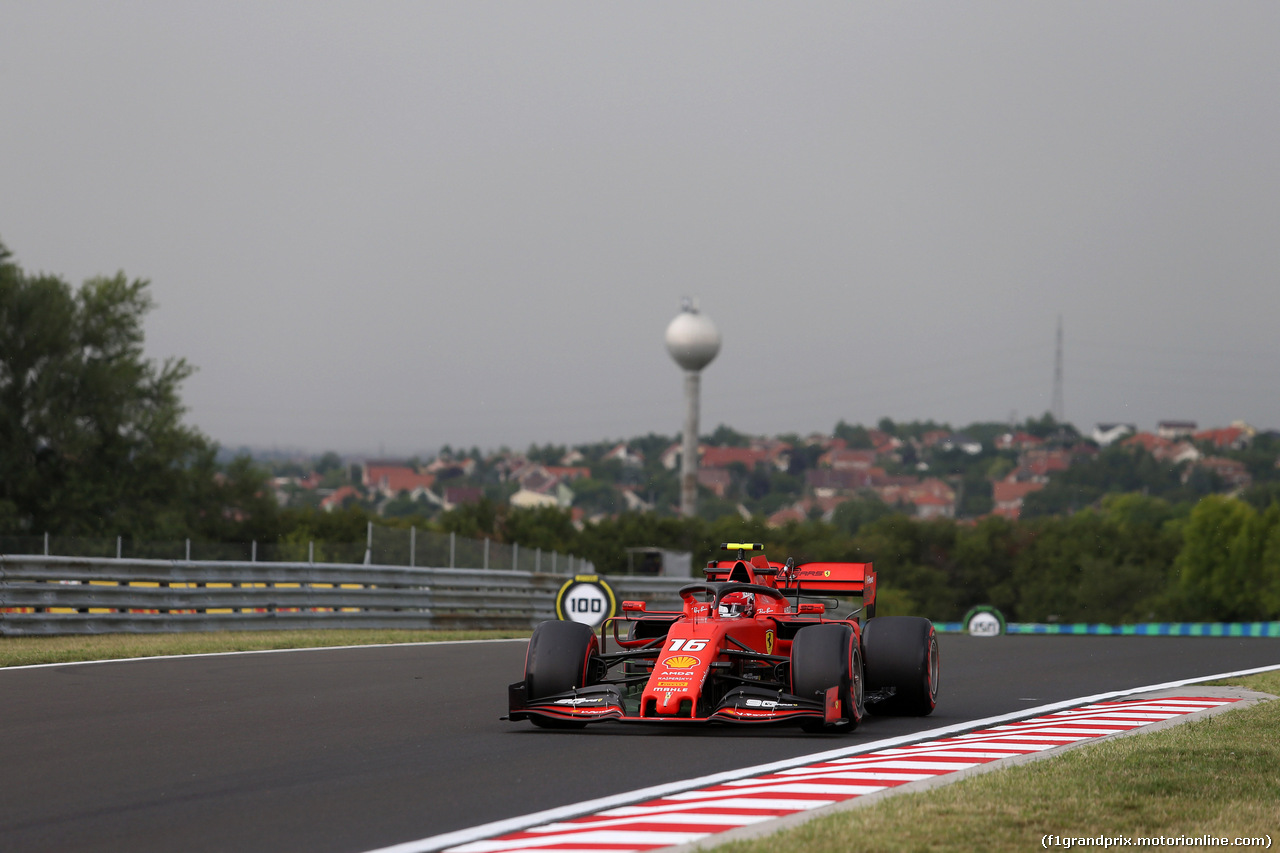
693 341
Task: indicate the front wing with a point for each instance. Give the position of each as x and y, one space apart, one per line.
744 704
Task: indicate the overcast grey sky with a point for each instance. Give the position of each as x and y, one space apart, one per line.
389 226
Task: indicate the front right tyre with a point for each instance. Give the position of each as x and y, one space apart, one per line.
826 656
559 658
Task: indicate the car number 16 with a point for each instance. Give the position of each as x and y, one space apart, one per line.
687 645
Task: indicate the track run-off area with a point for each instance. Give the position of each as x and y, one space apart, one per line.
401 747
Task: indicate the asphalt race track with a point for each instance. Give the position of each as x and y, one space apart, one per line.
348 750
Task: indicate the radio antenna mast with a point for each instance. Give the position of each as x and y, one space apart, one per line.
1057 409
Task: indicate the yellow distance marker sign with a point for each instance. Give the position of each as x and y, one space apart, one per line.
586 599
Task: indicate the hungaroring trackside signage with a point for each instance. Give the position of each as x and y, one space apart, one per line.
586 599
984 621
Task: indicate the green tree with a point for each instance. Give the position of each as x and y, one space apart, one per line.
851 515
726 436
91 434
855 436
1221 565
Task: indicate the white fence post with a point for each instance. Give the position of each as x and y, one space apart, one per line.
453 542
413 544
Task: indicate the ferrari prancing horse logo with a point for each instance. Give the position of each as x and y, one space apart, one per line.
768 642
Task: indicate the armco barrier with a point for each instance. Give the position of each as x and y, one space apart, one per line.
1144 629
69 595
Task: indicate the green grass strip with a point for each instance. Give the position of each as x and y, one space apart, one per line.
23 651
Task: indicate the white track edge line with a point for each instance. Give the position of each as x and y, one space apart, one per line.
4 669
515 824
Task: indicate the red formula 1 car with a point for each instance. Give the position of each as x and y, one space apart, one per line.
752 644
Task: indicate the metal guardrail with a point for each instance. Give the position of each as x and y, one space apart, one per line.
42 595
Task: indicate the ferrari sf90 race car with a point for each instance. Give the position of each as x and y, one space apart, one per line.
751 644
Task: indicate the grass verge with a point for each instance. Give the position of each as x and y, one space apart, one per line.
22 651
1216 776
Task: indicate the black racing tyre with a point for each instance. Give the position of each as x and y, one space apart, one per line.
559 659
902 654
825 656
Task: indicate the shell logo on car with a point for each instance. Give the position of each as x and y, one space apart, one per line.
680 662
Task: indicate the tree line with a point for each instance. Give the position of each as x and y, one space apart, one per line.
1134 558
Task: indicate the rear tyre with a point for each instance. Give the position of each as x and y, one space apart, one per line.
902 654
559 659
825 656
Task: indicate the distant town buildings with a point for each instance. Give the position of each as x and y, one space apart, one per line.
821 472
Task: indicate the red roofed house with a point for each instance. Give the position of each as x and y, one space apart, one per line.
932 506
1008 496
934 437
1175 429
799 511
536 478
1233 473
777 453
569 474
335 501
455 495
1018 441
795 512
824 482
625 455
842 459
391 480
931 498
718 480
1232 437
1038 464
723 457
448 467
883 442
1164 449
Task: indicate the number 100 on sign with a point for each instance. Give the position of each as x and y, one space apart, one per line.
587 601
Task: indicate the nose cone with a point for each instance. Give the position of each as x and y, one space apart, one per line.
693 340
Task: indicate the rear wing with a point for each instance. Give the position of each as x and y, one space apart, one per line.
836 579
833 579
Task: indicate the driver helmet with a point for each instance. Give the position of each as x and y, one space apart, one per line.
738 604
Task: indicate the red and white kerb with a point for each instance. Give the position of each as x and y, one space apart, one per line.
691 816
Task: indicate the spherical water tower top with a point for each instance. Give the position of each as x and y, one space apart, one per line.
692 339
